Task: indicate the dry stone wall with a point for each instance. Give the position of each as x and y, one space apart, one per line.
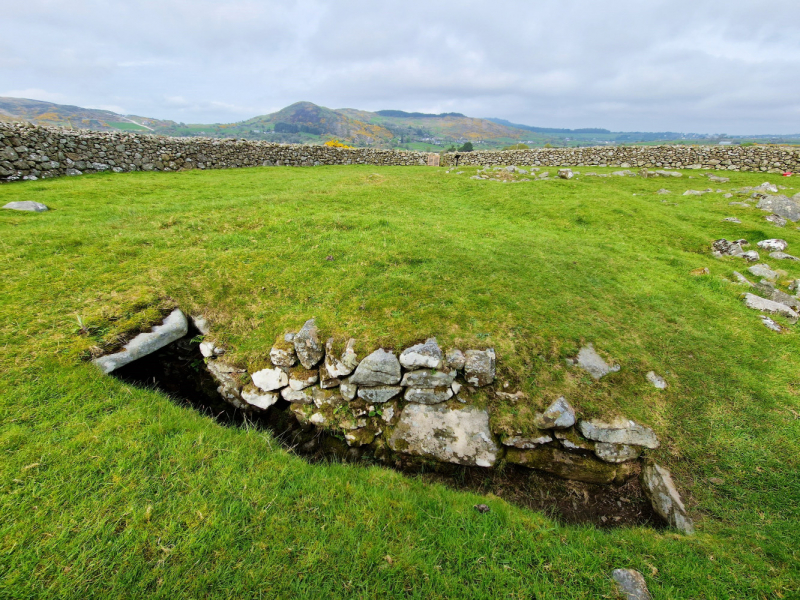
772 159
28 152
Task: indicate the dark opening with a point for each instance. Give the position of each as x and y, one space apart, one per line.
179 371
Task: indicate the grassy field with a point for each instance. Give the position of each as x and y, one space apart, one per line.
110 491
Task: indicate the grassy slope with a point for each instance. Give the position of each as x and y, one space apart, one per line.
109 491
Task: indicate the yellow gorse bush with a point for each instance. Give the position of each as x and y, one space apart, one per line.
335 144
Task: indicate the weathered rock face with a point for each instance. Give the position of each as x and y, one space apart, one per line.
764 271
428 378
27 206
773 245
455 359
348 390
422 356
659 488
724 247
590 361
300 379
338 368
658 382
526 442
428 395
631 584
270 380
173 328
258 399
769 306
461 436
479 367
618 431
781 206
307 345
379 368
303 396
230 380
559 415
569 465
616 453
283 354
379 394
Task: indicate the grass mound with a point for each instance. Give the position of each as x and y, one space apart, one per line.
110 490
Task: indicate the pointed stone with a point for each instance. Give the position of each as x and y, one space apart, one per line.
338 368
659 488
307 345
559 415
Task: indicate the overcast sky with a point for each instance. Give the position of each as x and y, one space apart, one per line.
685 65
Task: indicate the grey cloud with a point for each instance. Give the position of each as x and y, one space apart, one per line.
681 65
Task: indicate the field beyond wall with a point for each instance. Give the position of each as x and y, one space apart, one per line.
112 491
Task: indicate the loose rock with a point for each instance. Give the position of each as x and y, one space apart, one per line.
657 381
658 487
27 206
764 271
769 306
589 360
773 245
631 584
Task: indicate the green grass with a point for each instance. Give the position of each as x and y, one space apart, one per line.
113 491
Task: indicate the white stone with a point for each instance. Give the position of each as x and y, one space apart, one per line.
207 349
173 328
27 206
526 442
262 401
773 245
270 380
657 381
461 436
770 324
298 397
201 324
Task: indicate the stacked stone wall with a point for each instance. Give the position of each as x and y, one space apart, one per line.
771 159
31 152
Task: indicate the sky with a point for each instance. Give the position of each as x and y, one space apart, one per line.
705 66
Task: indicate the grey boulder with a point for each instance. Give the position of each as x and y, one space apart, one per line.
461 436
769 306
763 270
379 368
27 205
631 584
589 360
173 328
307 345
479 367
427 355
787 208
618 430
428 378
379 394
660 490
773 245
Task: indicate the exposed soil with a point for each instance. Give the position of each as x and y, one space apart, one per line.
179 371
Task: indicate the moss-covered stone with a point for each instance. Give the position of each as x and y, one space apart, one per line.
570 465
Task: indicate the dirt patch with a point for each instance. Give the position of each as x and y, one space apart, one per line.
179 371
